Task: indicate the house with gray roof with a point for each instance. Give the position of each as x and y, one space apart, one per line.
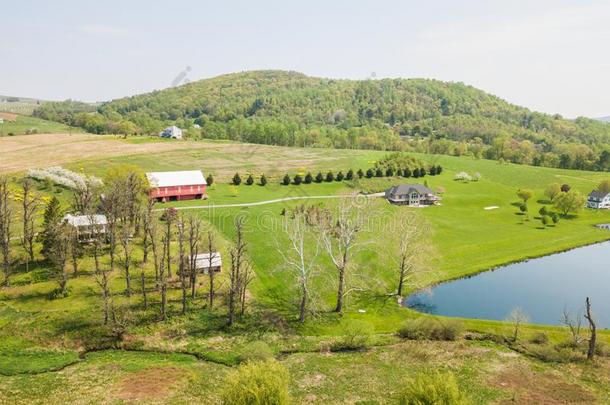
598 200
411 194
87 227
172 132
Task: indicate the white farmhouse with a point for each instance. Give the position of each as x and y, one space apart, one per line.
172 132
87 226
598 200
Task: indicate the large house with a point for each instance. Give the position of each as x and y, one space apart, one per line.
87 226
598 199
172 132
176 186
411 194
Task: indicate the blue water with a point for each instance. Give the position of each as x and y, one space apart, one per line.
542 288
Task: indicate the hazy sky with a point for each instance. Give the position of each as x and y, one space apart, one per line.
551 56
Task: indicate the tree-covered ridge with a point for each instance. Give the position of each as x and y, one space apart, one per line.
289 108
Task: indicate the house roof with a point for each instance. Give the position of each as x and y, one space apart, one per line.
181 178
598 194
202 260
86 220
408 188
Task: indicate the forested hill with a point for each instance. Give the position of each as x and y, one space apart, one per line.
288 108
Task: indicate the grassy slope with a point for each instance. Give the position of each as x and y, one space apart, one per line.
24 123
49 332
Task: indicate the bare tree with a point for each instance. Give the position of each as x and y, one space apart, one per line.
111 204
6 214
147 221
517 317
339 233
246 277
413 251
182 273
170 216
238 253
153 238
211 275
194 238
101 276
85 196
59 255
165 241
301 255
143 286
75 248
29 205
125 240
573 324
592 330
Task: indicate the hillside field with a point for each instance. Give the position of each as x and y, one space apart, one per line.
50 350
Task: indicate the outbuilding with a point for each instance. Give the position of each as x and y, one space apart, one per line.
176 186
87 226
172 132
206 261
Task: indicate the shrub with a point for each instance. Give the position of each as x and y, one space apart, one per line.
286 180
263 180
540 338
432 388
432 171
330 176
545 219
256 351
422 172
415 173
543 211
356 337
297 179
439 169
339 176
349 175
209 180
389 172
406 172
360 173
319 177
250 180
425 328
236 179
308 178
399 173
378 172
369 173
565 188
554 217
257 383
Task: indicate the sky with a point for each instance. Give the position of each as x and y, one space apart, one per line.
548 55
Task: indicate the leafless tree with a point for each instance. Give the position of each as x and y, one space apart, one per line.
111 203
143 286
75 248
238 253
101 276
592 330
413 251
573 324
170 217
517 317
29 205
85 197
153 238
339 234
301 255
147 221
6 214
125 236
182 262
60 250
165 241
211 275
194 238
246 277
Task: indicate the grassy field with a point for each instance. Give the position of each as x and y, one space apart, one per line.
186 357
21 124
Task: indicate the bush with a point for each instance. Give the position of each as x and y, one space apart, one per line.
257 383
425 328
349 175
406 172
256 351
432 388
319 177
369 173
356 337
389 172
543 211
378 172
555 217
360 173
209 180
330 176
286 180
540 338
297 179
250 180
339 176
308 178
236 179
263 180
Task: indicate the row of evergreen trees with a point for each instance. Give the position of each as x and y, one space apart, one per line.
350 175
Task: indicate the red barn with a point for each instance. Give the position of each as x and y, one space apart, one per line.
176 186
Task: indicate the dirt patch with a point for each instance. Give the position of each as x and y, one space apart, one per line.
149 383
527 387
8 116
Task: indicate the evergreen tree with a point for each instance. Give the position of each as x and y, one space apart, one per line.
319 177
360 173
209 180
50 226
378 172
236 179
389 172
263 180
422 172
399 172
349 175
339 176
415 173
297 179
250 180
439 169
406 172
432 171
330 176
286 180
308 178
369 173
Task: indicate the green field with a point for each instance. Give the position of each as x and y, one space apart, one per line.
189 354
31 125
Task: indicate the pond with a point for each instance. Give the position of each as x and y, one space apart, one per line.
542 288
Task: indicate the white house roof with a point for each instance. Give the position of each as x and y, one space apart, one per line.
202 260
86 220
170 179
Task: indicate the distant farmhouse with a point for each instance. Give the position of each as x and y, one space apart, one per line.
87 226
411 194
172 132
176 186
598 200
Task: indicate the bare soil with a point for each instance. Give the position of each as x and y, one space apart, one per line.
149 383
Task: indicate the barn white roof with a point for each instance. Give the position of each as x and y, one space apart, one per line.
170 179
86 220
202 260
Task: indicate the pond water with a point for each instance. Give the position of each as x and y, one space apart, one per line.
542 288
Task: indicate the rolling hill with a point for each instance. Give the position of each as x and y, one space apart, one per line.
292 109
